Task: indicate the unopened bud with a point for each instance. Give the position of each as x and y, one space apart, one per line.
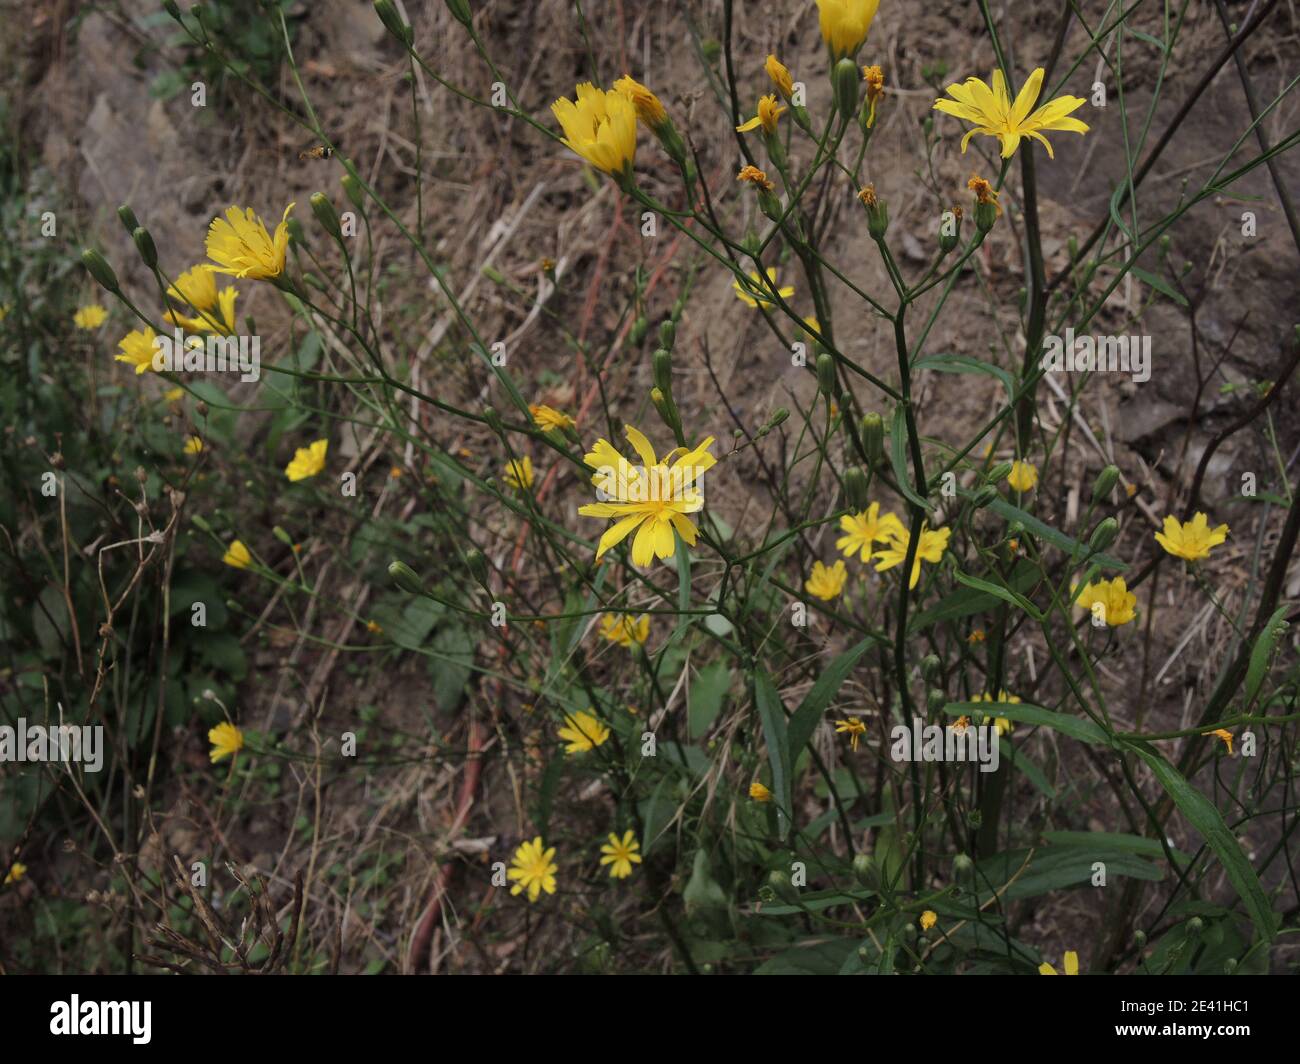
855 488
845 78
404 577
636 335
477 564
98 268
667 334
1103 535
127 216
326 215
1105 483
873 439
827 379
352 189
145 245
663 370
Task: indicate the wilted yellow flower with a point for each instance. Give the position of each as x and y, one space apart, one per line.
533 869
621 854
582 732
237 555
547 418
89 317
928 919
995 115
977 636
854 728
519 473
137 349
780 76
768 112
193 445
1224 735
874 76
240 245
1071 965
648 108
862 530
16 872
930 549
845 24
226 740
826 582
651 500
374 628
1023 476
753 293
1114 597
600 127
960 724
1192 540
624 630
307 461
755 177
759 793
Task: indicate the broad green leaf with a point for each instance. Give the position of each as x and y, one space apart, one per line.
1075 727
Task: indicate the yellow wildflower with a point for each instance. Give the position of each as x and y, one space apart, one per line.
995 115
976 636
1191 540
759 793
193 445
1023 476
768 112
89 317
826 582
621 854
780 76
547 418
874 76
307 461
624 630
648 108
237 555
1071 965
226 740
519 473
862 530
845 24
1224 735
240 245
928 919
854 728
753 293
16 872
755 176
600 127
582 732
1113 596
137 349
533 869
929 549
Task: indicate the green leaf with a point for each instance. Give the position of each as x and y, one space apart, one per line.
898 457
949 363
1261 654
1060 540
1075 727
704 701
825 957
999 592
967 601
771 712
1160 285
804 720
1209 822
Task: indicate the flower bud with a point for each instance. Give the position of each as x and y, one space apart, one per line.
873 439
1195 925
667 334
949 230
493 419
460 11
936 700
663 370
283 536
782 887
776 419
477 565
388 16
326 215
855 488
1103 535
145 245
984 496
170 7
1139 938
664 407
930 667
98 268
201 523
352 189
127 216
636 335
962 867
986 214
827 379
998 473
845 78
866 870
404 577
1104 484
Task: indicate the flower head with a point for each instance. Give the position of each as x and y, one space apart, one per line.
1191 540
928 919
237 556
995 115
1071 965
621 854
1115 600
197 286
759 793
89 317
533 869
768 112
547 418
1003 724
930 549
226 740
648 108
1023 476
137 349
519 473
600 127
753 293
854 728
307 461
16 872
193 445
624 630
826 582
845 24
862 530
240 245
874 76
1224 736
216 317
652 499
780 76
582 732
756 177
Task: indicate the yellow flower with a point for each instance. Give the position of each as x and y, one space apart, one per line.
874 76
768 112
928 919
759 793
977 636
854 728
652 499
1192 540
755 177
960 724
533 869
137 349
582 732
648 108
219 318
624 630
374 628
1023 476
237 555
519 473
89 317
16 872
1071 965
930 549
197 286
826 582
845 24
862 530
240 245
1224 735
621 854
307 461
174 395
193 445
780 76
1003 724
546 418
753 293
995 115
1116 600
600 127
226 740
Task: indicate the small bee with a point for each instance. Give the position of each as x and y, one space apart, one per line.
321 151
